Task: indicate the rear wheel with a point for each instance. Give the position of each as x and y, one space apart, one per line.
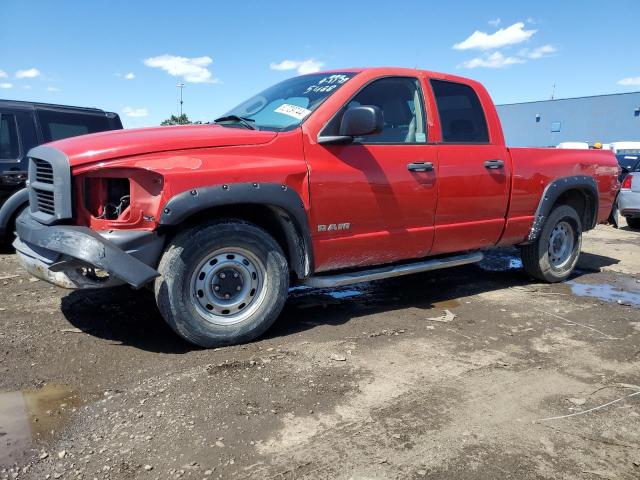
554 255
633 222
222 283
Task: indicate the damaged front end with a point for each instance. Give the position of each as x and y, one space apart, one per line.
94 252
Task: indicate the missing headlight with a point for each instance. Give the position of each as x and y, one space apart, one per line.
107 198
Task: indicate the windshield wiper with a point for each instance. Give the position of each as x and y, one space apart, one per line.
238 119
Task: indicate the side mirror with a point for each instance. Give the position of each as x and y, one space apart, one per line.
357 121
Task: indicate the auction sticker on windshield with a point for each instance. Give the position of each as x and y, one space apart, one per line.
293 111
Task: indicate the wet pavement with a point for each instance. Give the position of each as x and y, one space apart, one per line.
370 381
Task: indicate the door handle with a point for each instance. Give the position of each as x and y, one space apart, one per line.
420 167
494 164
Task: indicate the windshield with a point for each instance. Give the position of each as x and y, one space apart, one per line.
628 159
285 105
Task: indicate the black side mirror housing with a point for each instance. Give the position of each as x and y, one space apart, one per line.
364 120
357 121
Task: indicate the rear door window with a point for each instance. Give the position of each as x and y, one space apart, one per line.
9 142
461 115
57 125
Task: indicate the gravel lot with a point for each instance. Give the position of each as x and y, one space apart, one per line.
372 381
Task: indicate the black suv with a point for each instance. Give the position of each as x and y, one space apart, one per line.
24 125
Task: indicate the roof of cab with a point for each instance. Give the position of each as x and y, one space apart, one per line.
401 71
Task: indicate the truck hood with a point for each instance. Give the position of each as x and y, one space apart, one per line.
102 146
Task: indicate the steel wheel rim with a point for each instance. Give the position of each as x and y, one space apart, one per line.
228 286
561 244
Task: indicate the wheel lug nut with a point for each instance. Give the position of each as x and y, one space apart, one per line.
226 295
216 288
238 288
222 275
235 274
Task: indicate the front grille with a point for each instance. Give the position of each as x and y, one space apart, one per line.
50 197
45 201
44 171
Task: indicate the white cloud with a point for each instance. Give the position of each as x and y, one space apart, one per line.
495 22
53 89
135 112
543 51
630 82
309 65
27 87
494 60
505 36
192 70
29 73
3 74
129 76
6 85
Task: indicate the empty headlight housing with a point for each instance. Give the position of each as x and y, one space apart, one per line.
118 198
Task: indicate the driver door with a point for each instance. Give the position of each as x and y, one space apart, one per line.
373 200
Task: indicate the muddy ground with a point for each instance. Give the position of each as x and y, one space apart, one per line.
361 382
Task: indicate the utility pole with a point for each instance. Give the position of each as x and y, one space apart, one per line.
553 91
180 86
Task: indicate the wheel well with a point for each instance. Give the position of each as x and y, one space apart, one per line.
274 220
584 203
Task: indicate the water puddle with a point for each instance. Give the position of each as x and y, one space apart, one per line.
344 293
31 415
606 292
495 262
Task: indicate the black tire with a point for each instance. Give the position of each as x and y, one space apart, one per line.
184 276
536 257
6 240
633 223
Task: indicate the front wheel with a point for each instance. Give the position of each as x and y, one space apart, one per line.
633 222
555 253
222 283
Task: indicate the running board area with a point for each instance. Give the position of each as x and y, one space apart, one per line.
340 279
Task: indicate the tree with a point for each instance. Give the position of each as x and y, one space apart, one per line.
177 120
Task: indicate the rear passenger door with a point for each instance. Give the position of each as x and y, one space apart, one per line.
473 172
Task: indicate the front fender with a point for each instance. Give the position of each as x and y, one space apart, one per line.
285 200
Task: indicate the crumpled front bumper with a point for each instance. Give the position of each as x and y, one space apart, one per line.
60 254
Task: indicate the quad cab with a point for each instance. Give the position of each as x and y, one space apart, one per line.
322 180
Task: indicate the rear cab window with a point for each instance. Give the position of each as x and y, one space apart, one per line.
9 141
57 125
462 118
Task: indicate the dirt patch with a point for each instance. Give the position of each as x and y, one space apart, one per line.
350 383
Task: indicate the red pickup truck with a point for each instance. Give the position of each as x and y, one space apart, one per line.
324 179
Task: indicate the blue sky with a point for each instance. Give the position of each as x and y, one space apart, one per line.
128 56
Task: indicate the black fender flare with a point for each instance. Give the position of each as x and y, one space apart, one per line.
283 200
10 209
582 183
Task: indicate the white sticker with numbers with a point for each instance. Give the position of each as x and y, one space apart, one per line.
293 111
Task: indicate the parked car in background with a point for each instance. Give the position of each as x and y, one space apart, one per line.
24 125
629 199
322 180
628 156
